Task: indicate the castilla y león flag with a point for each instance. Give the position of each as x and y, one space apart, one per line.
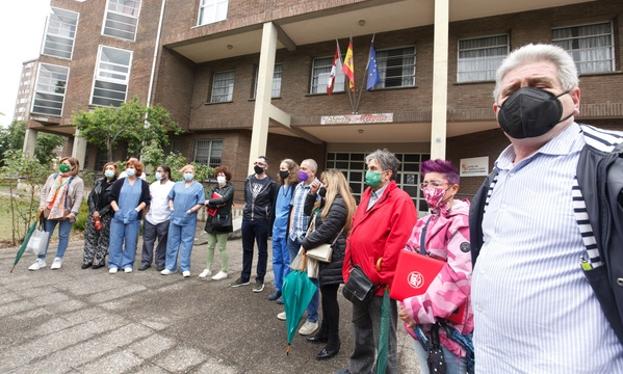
337 64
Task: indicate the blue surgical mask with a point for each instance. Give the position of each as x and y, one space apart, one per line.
130 172
188 177
158 176
109 173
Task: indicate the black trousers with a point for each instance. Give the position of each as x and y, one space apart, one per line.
330 327
150 234
254 231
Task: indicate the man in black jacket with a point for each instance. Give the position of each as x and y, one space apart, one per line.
260 193
546 229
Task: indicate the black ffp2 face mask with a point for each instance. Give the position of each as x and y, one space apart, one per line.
258 170
530 112
284 174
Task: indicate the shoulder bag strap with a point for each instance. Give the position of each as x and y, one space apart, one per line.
423 237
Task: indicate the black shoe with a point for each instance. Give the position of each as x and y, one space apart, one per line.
327 353
239 283
97 266
317 338
274 296
85 266
144 267
259 286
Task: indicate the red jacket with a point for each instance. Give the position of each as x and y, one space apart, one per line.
380 232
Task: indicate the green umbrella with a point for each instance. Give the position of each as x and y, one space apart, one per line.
22 247
297 292
383 343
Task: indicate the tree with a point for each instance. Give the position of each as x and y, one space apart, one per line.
12 139
132 123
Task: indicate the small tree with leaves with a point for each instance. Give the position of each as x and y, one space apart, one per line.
132 123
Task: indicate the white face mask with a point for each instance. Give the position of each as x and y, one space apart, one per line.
130 172
158 176
221 180
188 177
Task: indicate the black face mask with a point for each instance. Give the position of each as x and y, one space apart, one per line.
530 112
284 174
258 170
322 192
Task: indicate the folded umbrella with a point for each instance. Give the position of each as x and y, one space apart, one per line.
297 292
22 247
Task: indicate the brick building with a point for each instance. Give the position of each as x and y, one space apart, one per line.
23 102
248 77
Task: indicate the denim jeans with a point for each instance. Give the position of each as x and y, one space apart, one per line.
454 363
64 229
312 308
180 236
122 243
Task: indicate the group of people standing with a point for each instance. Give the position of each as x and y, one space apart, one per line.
117 204
545 295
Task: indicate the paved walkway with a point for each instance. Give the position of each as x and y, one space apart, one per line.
89 321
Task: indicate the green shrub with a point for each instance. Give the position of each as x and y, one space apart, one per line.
83 216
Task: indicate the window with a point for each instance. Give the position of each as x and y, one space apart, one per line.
50 90
276 92
396 67
353 166
591 46
60 33
479 58
209 152
321 71
222 87
211 11
121 18
112 73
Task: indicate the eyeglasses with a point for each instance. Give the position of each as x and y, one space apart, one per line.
423 185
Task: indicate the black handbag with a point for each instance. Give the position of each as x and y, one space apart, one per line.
359 289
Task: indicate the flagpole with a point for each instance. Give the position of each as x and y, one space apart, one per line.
350 96
339 57
365 76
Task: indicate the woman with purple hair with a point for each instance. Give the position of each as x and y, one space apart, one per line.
443 309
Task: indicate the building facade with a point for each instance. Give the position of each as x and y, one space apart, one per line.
248 77
23 102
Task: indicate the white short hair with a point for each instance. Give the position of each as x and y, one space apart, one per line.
567 71
313 165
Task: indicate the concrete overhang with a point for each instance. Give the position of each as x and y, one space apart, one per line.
341 22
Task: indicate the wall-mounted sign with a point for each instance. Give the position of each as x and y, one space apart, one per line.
348 119
475 167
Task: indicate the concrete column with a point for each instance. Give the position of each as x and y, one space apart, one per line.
30 142
79 150
440 80
261 114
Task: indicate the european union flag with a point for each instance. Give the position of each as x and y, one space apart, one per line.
373 72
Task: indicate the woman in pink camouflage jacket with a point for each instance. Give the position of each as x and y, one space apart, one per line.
446 301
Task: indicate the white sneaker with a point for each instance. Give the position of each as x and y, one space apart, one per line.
205 273
166 272
220 276
38 264
112 270
186 274
57 263
281 316
308 328
127 269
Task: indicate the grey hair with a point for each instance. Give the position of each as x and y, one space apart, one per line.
386 159
313 165
567 71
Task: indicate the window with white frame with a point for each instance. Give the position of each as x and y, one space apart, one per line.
276 89
396 67
209 152
211 11
50 90
60 33
479 58
321 71
112 74
121 18
222 87
591 46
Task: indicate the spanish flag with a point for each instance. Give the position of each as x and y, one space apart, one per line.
348 67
